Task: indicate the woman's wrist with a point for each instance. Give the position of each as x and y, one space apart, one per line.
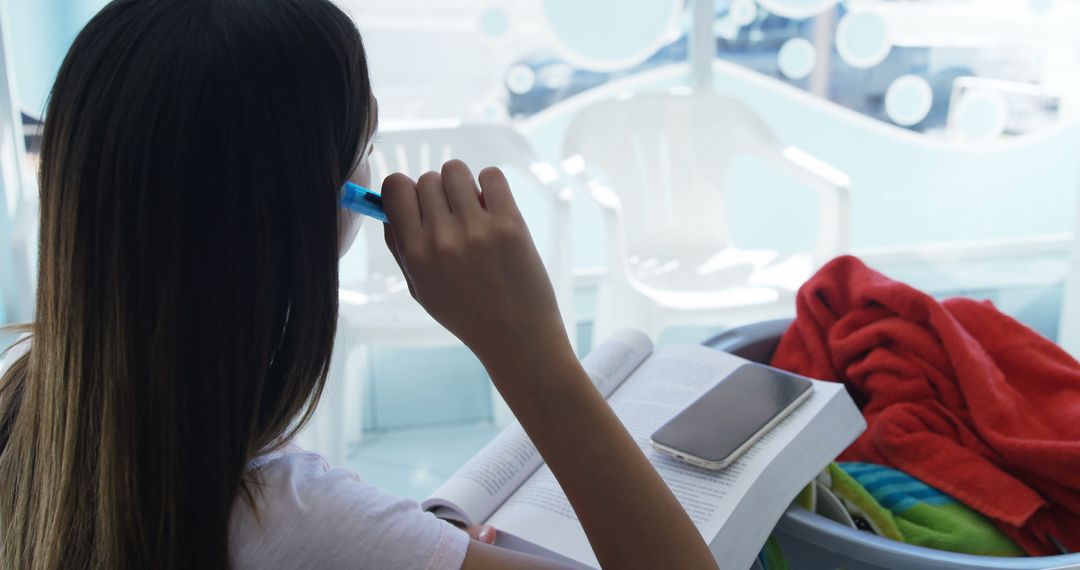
516 355
551 394
528 373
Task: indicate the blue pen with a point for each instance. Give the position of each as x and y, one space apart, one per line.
362 201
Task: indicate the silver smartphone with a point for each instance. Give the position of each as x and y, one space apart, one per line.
723 423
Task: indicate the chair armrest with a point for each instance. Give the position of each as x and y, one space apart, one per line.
755 342
560 264
614 231
558 186
834 191
575 169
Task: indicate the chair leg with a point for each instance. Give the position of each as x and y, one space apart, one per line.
616 310
501 415
654 329
326 432
356 372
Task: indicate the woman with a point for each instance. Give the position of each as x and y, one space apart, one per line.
187 297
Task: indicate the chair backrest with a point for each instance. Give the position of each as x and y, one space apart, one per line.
667 156
416 151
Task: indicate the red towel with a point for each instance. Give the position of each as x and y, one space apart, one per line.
955 394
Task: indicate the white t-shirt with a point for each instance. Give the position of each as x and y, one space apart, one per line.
311 516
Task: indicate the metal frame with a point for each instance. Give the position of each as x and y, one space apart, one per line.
702 45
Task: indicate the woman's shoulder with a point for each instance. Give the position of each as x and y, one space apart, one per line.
309 514
9 354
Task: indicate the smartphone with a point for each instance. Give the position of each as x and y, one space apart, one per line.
723 423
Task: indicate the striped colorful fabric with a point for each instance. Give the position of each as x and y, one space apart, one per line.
895 490
925 516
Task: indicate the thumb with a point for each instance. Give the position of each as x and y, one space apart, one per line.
483 533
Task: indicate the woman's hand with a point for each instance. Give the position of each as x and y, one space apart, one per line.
484 533
471 263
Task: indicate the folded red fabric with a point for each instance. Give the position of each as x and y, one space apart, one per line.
955 393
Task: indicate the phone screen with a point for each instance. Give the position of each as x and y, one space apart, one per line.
715 425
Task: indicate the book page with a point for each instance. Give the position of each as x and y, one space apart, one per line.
665 384
481 485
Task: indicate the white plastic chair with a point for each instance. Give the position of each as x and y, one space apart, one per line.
666 157
376 309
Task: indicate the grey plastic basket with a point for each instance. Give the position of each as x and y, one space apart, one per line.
812 542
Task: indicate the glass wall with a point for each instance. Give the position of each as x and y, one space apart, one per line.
481 60
952 118
952 122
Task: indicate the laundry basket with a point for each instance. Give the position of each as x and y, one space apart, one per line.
813 542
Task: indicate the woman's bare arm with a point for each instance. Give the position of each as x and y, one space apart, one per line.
471 263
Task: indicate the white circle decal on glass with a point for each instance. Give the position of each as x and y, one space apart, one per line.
520 79
742 12
606 35
862 38
1040 6
981 115
495 21
797 58
908 100
490 109
797 9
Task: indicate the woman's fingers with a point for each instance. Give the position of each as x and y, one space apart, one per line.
497 196
483 533
434 207
461 189
478 274
392 245
401 204
436 198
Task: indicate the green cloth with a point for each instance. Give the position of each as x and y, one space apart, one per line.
897 506
806 498
860 503
772 557
923 515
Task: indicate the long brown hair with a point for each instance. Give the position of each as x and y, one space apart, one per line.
187 287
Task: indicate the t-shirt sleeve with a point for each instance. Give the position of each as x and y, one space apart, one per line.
9 354
310 516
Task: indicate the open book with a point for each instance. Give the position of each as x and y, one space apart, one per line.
507 485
